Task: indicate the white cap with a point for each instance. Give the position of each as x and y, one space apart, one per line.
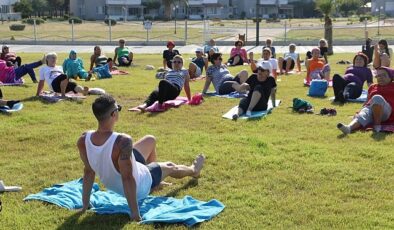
264 65
199 49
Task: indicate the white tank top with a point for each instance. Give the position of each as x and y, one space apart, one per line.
100 160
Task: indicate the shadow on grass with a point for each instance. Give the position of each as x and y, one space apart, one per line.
381 136
5 113
75 221
36 98
191 183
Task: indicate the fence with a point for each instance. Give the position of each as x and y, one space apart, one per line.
196 32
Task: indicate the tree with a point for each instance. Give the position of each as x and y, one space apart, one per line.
346 6
39 6
326 7
24 7
167 7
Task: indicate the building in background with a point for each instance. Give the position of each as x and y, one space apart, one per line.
383 7
7 10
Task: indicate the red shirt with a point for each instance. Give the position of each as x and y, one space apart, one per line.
387 92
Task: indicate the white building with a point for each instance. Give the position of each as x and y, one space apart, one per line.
382 7
7 10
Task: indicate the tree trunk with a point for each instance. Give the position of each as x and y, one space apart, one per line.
328 33
167 9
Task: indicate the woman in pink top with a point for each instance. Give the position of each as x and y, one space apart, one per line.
238 54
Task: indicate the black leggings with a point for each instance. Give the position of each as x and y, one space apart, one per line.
166 91
343 87
260 106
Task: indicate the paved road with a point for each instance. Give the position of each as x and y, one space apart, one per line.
158 49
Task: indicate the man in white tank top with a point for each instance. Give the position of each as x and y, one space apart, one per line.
123 169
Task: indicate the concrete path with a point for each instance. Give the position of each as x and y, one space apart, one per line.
109 50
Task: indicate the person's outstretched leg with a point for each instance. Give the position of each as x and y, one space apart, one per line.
167 91
170 169
256 96
346 129
27 69
147 147
381 111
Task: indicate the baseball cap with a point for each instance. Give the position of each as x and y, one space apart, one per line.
264 65
199 49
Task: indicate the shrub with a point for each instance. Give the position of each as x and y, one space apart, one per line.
113 22
255 20
30 21
365 17
76 20
17 27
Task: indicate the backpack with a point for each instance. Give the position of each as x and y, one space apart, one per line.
300 104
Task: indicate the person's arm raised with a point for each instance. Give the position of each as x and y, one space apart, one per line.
126 171
88 174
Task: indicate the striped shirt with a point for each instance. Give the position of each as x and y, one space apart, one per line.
177 77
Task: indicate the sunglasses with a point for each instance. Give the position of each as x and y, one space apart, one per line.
177 62
118 108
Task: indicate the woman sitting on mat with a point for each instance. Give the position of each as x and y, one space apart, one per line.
11 74
261 87
73 67
266 57
10 57
317 69
99 59
289 60
56 79
379 105
238 54
170 87
221 78
350 86
382 54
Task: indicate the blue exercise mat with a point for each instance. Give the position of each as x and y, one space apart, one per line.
361 99
255 114
188 210
230 95
15 108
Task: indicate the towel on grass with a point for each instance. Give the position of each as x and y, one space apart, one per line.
12 84
153 209
15 108
255 114
230 95
119 72
55 97
362 98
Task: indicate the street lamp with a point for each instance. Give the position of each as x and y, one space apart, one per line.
175 8
379 10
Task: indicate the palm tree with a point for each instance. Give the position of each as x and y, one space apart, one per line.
326 7
167 7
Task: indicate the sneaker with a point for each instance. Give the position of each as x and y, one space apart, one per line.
11 103
344 128
332 112
323 111
235 117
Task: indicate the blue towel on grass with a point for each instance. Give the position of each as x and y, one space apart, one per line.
255 114
188 210
230 95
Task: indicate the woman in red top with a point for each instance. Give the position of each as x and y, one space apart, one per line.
378 107
238 54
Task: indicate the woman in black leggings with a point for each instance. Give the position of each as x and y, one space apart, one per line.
170 87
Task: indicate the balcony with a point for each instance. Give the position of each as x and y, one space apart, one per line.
202 2
123 2
274 2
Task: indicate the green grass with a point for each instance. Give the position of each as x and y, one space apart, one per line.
283 172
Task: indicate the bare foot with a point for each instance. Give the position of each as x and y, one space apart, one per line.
142 107
85 91
198 164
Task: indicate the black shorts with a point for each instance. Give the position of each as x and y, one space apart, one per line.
56 84
138 156
292 63
227 86
155 172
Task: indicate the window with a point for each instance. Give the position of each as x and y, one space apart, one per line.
100 10
133 11
5 9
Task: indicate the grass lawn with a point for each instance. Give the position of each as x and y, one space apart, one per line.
283 172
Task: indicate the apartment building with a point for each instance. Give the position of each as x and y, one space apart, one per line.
382 7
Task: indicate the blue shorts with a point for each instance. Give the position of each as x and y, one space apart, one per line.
138 156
